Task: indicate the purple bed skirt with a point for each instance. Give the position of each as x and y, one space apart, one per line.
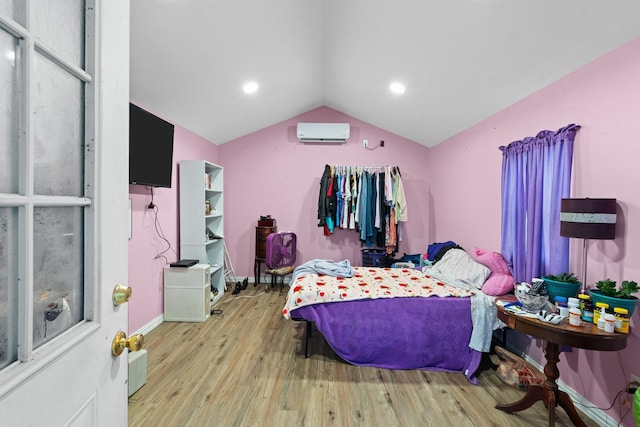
399 333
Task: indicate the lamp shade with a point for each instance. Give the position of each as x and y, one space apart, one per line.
588 218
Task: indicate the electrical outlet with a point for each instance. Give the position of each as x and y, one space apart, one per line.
365 143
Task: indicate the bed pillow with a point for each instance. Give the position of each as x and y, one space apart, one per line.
500 281
457 268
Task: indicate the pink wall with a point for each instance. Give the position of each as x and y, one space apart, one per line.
146 243
271 172
453 191
464 173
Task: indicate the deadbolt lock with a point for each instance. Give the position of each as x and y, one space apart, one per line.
121 294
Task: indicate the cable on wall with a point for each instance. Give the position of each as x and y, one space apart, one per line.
159 231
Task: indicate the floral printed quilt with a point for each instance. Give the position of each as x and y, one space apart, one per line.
367 283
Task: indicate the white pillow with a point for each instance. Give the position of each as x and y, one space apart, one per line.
457 268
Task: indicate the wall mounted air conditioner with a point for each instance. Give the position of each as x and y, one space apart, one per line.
323 132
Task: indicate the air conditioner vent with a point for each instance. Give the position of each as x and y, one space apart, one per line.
337 133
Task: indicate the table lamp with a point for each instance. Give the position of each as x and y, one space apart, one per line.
588 219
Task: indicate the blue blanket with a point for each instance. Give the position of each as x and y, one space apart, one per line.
323 266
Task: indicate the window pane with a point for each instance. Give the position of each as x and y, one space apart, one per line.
58 260
9 111
58 131
61 24
8 285
13 10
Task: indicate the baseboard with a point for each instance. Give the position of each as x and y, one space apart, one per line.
150 326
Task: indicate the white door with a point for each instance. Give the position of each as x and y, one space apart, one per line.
64 89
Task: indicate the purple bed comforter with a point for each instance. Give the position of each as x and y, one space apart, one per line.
399 333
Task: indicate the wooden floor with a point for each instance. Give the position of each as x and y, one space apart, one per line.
247 368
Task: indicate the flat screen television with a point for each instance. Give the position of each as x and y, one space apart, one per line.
150 148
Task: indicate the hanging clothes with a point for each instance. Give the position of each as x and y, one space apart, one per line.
332 197
359 199
323 200
383 213
367 227
346 213
399 200
339 200
392 242
370 200
354 199
327 199
376 185
363 216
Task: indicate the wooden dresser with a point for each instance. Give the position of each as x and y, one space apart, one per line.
265 227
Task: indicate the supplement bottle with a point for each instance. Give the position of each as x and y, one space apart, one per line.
561 306
609 322
598 314
586 307
622 320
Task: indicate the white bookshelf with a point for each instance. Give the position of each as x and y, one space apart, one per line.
202 218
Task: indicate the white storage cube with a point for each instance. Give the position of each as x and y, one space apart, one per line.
187 293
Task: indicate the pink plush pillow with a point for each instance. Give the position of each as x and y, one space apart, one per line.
498 284
500 281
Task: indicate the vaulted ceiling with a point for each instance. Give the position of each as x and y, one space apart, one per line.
461 60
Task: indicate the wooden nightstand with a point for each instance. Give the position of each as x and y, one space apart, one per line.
586 336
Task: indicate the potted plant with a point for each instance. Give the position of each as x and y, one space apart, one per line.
563 284
607 291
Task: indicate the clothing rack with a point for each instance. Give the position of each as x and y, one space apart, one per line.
367 199
364 167
387 168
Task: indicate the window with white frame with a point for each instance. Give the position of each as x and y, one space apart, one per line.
46 172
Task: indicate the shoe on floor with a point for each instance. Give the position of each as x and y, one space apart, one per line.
237 289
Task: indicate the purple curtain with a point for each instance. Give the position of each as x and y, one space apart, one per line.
536 176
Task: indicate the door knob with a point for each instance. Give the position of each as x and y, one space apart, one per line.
120 342
121 294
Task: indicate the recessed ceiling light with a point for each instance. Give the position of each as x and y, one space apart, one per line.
397 87
250 87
